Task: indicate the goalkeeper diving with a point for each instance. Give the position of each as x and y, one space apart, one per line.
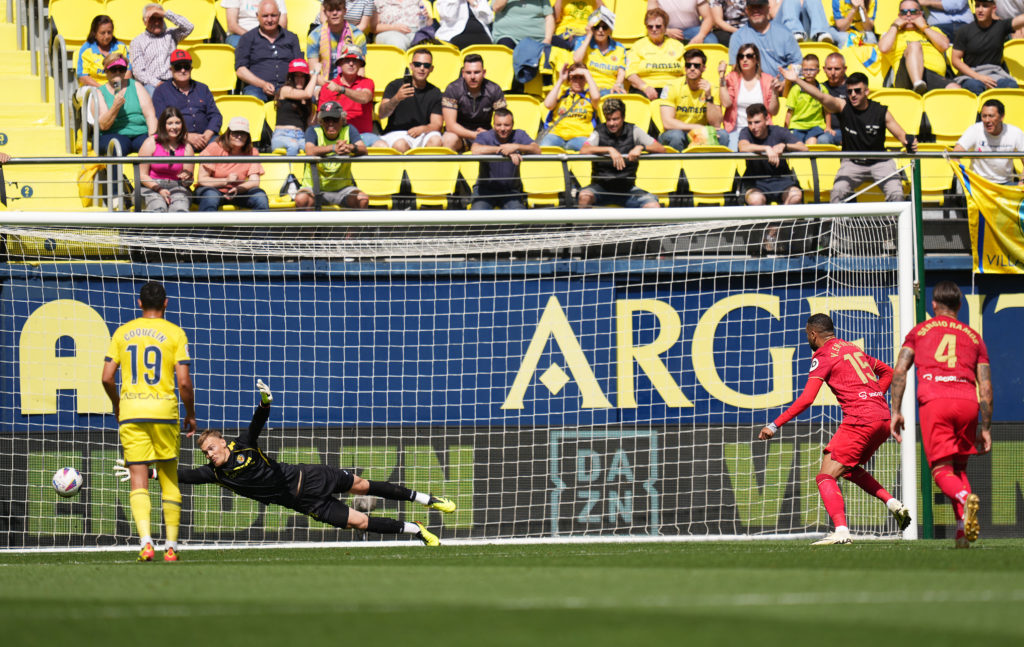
242 467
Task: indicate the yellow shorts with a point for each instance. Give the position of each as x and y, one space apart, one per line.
145 442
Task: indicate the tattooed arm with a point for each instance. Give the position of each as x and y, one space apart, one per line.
899 387
984 440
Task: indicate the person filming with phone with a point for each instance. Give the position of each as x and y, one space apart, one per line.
123 108
412 106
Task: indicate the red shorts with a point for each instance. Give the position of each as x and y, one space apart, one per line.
948 428
854 445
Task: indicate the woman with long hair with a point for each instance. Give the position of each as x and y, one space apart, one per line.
294 102
98 44
165 186
122 108
744 86
237 183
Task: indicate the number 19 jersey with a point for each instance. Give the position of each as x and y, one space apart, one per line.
854 378
147 350
946 354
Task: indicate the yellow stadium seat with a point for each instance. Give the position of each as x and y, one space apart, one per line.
240 105
638 109
658 175
73 18
710 180
805 167
906 107
629 21
469 168
214 65
656 113
274 176
1013 56
46 187
127 17
779 119
855 58
936 174
447 63
950 113
201 13
32 141
822 51
384 64
543 179
433 182
497 63
1012 99
379 180
301 14
582 170
885 14
527 112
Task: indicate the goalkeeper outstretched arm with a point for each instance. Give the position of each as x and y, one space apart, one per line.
805 400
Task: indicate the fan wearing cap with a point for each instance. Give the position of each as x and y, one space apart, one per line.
604 57
294 102
123 109
150 51
353 92
330 40
333 138
235 183
263 54
192 98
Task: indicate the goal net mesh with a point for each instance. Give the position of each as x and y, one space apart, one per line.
556 381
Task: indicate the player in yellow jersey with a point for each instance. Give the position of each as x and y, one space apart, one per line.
153 355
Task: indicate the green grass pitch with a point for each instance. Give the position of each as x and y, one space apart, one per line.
715 593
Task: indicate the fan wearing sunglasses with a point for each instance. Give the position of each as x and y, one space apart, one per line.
919 48
654 61
602 55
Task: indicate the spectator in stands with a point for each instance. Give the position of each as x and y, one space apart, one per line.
97 45
354 93
324 47
192 99
414 107
150 51
235 183
805 116
654 61
123 109
803 17
243 16
728 16
165 187
774 40
614 181
464 22
399 20
571 20
499 186
919 49
1009 9
978 49
360 14
771 179
690 105
571 117
948 16
294 102
263 54
864 123
515 20
854 21
689 21
835 85
746 85
604 57
992 135
468 104
332 137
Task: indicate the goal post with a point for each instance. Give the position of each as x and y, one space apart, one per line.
561 374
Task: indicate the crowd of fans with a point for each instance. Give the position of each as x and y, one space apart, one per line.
147 101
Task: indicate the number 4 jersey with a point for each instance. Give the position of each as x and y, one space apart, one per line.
147 350
946 354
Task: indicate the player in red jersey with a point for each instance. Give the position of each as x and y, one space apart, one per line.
952 369
859 383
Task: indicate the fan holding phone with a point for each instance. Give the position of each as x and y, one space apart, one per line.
122 108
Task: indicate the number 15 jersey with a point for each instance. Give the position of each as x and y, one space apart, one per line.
147 350
946 354
858 380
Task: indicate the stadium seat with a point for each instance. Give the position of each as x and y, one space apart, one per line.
885 14
659 176
201 13
301 14
710 180
527 112
638 109
821 50
72 19
950 113
240 105
826 168
867 60
581 170
127 17
906 107
936 175
629 21
274 176
384 64
656 113
543 179
779 119
447 63
379 180
497 62
469 168
214 65
1013 100
433 182
1013 57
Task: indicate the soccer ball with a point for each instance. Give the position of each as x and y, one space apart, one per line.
67 481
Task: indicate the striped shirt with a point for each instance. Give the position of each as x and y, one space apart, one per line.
151 55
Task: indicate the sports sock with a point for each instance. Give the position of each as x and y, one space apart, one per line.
832 497
395 492
170 499
385 526
139 502
863 479
960 470
952 486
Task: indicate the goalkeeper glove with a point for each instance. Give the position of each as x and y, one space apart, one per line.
266 397
121 472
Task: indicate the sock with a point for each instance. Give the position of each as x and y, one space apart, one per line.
960 470
385 526
139 501
391 491
863 479
952 486
170 499
832 498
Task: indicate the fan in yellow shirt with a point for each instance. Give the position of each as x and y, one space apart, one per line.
152 354
917 49
571 118
654 61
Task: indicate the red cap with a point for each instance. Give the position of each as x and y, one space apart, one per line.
298 65
179 55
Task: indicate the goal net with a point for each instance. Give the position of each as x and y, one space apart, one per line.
558 374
